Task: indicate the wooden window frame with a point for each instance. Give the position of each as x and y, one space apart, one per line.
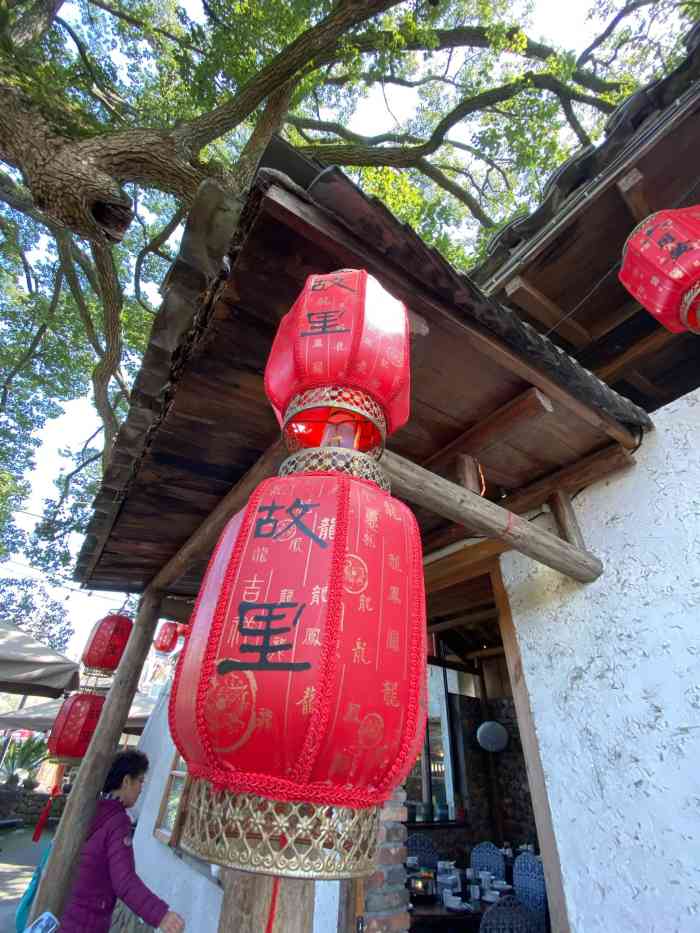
172 838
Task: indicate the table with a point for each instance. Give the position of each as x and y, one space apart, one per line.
437 917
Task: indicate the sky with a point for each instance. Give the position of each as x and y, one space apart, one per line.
555 20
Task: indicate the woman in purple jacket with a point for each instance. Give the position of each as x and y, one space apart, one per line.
106 870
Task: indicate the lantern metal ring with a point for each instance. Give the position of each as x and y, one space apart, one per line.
341 397
686 304
336 459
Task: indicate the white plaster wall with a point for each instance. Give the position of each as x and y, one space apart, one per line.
613 673
185 885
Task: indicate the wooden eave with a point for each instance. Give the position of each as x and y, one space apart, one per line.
558 269
199 418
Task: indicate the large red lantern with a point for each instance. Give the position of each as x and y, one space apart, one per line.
661 267
106 644
74 726
299 699
167 637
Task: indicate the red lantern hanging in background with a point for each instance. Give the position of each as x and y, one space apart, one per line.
74 726
166 639
106 644
661 267
299 699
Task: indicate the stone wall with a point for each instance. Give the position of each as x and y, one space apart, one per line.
511 778
26 805
386 895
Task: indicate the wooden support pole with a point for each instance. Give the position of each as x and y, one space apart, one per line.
563 511
468 473
571 478
56 880
250 899
412 482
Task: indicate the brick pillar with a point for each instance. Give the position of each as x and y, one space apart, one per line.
386 895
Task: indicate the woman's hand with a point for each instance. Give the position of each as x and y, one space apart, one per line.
172 923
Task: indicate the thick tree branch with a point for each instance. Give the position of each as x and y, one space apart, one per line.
35 23
573 120
34 343
404 156
472 37
456 191
313 43
108 365
69 477
610 29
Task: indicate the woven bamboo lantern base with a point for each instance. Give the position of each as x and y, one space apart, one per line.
295 840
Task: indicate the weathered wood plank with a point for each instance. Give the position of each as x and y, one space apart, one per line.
563 511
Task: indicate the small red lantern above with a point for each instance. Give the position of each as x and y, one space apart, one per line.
661 267
167 637
339 366
106 644
74 726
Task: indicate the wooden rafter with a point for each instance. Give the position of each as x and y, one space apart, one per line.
571 478
647 346
546 311
631 187
525 409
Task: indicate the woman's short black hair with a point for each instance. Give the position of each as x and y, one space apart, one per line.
125 764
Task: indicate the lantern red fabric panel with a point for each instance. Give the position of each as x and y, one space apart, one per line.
75 725
343 330
661 267
107 642
307 654
167 637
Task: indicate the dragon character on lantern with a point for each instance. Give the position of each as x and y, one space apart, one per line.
299 699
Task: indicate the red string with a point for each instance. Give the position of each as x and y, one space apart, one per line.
273 905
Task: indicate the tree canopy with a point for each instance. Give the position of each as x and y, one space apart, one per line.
114 111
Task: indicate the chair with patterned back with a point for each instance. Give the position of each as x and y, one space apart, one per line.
508 915
486 857
421 846
528 882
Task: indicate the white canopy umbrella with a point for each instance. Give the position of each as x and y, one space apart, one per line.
28 667
41 717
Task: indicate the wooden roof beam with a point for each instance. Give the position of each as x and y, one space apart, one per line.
631 357
526 408
631 187
468 619
438 495
570 478
546 311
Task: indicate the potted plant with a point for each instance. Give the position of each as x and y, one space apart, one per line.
25 756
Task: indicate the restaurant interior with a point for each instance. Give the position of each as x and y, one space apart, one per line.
471 834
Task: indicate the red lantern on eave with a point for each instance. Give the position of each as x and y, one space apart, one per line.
299 699
167 637
74 726
339 370
661 267
106 644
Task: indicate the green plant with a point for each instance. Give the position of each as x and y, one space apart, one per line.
22 756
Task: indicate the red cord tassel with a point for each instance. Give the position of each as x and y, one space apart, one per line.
273 905
46 810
